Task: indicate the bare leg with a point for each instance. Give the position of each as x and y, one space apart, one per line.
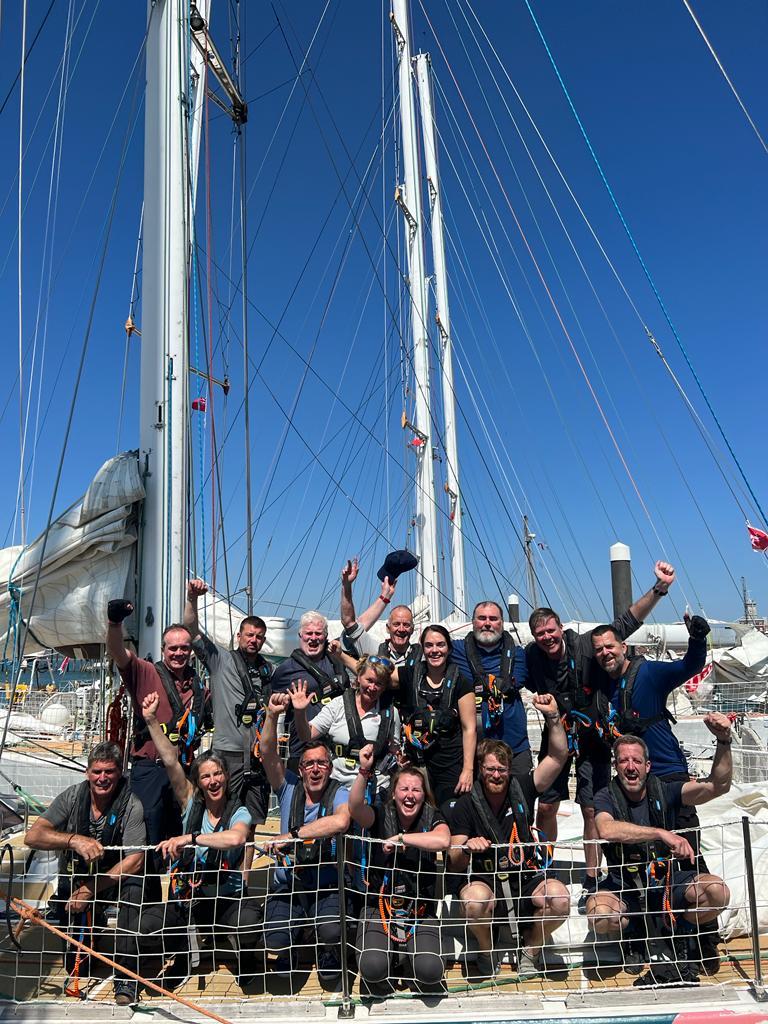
546 820
551 905
478 904
592 853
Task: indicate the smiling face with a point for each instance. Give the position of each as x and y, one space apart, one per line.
315 768
369 686
632 769
610 654
409 794
312 638
435 649
494 776
400 628
548 636
212 781
177 649
487 624
250 640
103 777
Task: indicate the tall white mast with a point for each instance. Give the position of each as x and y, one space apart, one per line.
408 196
443 319
164 405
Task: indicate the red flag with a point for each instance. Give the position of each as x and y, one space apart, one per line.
200 405
758 538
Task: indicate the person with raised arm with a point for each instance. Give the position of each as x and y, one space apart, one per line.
398 934
207 885
492 840
651 892
356 718
80 824
562 662
239 680
304 888
181 710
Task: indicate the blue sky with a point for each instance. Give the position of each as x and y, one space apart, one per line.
686 169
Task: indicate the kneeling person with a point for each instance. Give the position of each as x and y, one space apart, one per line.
400 914
80 823
305 889
491 835
645 894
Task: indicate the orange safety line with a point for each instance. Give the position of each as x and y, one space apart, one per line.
34 917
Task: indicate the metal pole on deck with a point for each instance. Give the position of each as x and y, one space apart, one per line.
758 987
621 578
347 1008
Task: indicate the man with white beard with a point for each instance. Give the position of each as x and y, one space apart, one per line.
490 657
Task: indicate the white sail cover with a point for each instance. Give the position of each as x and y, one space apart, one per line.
88 560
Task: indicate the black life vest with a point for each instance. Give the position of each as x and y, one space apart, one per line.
184 730
112 831
628 719
417 877
411 658
499 862
583 706
328 686
357 739
254 675
633 858
435 714
490 685
186 875
309 852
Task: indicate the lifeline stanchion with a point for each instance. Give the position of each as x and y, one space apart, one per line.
347 1008
758 987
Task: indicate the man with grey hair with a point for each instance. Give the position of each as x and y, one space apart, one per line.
82 825
316 663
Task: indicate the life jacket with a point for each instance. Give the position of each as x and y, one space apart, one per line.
188 723
519 840
328 686
583 707
633 858
492 689
111 834
407 883
628 720
186 874
411 658
357 739
434 714
312 850
249 713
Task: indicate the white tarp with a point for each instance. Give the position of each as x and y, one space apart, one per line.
88 560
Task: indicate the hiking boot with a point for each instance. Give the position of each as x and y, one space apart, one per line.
588 888
126 992
704 952
486 966
530 963
329 971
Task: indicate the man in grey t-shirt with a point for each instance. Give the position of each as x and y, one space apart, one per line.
238 680
82 824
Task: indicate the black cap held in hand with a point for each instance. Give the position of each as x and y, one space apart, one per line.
119 610
396 563
698 627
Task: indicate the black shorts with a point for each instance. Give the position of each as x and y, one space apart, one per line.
521 893
593 773
634 898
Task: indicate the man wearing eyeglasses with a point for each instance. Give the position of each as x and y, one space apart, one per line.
305 883
492 839
181 709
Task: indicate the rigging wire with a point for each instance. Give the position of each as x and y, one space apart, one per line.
26 56
22 434
644 265
129 328
724 73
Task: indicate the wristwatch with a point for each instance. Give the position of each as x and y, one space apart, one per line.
294 831
194 837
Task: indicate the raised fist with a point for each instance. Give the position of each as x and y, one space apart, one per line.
698 626
119 610
196 588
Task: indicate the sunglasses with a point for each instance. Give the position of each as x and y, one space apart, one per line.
375 659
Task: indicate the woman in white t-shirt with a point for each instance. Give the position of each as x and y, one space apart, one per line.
361 715
207 887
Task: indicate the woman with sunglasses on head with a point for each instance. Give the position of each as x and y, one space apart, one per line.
207 884
399 918
439 718
358 717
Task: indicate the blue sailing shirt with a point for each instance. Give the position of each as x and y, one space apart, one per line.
327 876
654 682
512 727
